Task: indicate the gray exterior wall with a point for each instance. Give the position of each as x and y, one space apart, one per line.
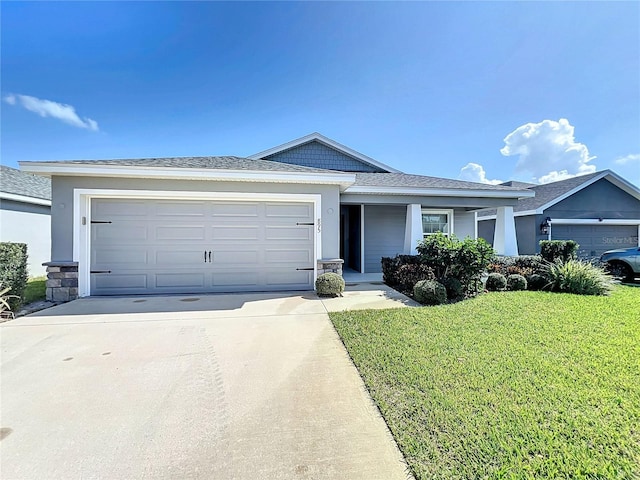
31 224
62 201
383 234
601 199
427 202
464 224
315 154
487 229
527 233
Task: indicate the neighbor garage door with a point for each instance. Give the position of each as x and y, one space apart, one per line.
172 246
594 240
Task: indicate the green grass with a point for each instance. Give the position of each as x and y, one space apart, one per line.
507 385
35 290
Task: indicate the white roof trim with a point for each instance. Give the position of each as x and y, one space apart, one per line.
614 178
524 213
329 143
439 192
595 221
344 179
24 199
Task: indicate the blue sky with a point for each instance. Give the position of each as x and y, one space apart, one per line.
432 88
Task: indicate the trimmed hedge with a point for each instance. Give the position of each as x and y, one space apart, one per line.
558 250
496 282
430 292
516 282
13 270
329 285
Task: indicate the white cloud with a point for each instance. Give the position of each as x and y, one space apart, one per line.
548 151
47 108
631 158
473 172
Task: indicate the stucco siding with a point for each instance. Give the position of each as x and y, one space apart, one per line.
384 227
315 154
30 224
63 187
601 199
464 224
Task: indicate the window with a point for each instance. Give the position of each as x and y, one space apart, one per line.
434 221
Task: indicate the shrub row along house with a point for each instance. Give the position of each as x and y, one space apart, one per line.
272 221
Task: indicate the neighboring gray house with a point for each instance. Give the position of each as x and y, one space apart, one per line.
269 222
600 211
25 214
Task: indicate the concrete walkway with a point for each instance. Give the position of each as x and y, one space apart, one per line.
244 386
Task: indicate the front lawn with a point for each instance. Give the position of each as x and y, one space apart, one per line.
35 290
507 385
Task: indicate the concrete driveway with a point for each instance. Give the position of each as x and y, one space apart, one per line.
244 386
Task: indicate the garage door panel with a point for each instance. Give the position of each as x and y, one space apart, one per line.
179 279
178 232
289 233
303 257
113 281
117 208
288 210
111 256
235 233
180 258
181 209
163 251
234 210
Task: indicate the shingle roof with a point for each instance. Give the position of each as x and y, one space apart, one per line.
214 163
421 181
547 192
22 183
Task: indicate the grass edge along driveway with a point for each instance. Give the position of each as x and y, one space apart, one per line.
507 385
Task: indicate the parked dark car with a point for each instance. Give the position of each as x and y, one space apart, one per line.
623 263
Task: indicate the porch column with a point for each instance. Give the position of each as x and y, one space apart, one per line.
504 239
413 228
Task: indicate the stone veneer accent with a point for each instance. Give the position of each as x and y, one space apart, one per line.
62 281
333 265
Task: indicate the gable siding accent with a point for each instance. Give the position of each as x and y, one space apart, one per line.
601 199
383 234
316 155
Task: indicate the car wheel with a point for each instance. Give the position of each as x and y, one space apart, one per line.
620 270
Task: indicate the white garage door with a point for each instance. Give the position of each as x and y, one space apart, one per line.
594 240
191 246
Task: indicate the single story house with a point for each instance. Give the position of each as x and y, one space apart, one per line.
600 211
25 215
272 221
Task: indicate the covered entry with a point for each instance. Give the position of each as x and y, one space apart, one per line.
146 246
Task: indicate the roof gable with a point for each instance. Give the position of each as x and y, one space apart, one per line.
316 150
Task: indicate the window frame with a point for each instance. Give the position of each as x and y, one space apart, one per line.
439 211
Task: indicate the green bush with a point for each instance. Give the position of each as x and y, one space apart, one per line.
430 292
524 265
496 282
516 282
537 282
409 274
13 270
449 257
329 285
391 265
582 278
558 250
455 289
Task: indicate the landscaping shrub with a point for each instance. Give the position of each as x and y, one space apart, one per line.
390 266
449 257
558 250
409 274
13 271
582 278
329 285
496 282
516 282
537 282
430 292
455 289
524 265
